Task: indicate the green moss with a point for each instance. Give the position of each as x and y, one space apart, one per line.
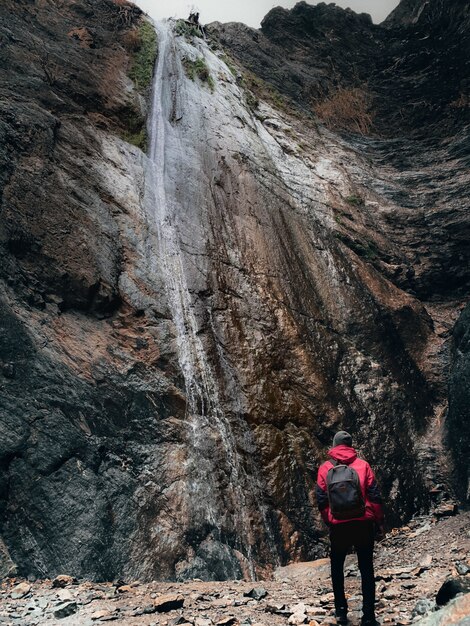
355 200
133 129
143 61
251 100
138 139
198 69
183 29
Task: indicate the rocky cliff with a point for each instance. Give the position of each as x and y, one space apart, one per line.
183 332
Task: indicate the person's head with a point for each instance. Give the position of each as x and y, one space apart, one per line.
342 438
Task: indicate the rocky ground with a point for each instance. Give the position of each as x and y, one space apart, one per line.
412 563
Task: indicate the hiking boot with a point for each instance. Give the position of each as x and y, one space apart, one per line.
341 615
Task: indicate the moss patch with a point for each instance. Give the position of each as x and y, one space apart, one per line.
183 29
355 200
138 139
143 61
198 69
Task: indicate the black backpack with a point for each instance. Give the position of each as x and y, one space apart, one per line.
344 492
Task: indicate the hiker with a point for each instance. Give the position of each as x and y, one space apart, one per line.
194 18
350 504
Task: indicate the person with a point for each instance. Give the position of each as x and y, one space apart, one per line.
358 529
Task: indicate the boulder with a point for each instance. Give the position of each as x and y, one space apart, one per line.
451 588
456 613
169 602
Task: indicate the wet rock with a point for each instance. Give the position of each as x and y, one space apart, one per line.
20 591
168 602
65 610
451 588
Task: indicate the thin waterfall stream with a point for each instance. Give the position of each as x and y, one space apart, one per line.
205 414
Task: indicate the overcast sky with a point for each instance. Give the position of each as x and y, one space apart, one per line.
251 12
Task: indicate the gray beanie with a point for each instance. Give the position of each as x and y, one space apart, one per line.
342 438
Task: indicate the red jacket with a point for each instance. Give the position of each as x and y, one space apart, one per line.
370 489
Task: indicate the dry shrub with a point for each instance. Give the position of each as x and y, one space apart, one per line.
348 108
132 40
462 102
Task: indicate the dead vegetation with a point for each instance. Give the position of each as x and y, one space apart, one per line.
347 108
50 68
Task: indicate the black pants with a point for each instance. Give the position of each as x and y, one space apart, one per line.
343 537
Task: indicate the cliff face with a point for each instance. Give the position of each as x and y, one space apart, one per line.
182 334
84 338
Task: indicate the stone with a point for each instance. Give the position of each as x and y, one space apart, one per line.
317 611
124 589
169 602
278 608
65 610
426 561
456 613
462 568
446 509
327 598
452 587
227 621
65 595
99 615
297 618
203 621
257 593
422 607
149 609
20 591
299 614
395 572
63 580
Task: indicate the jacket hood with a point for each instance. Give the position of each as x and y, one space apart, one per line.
343 453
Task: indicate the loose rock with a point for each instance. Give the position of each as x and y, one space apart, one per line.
167 603
62 581
65 610
20 591
257 593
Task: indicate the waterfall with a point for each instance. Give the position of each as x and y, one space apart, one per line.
179 210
